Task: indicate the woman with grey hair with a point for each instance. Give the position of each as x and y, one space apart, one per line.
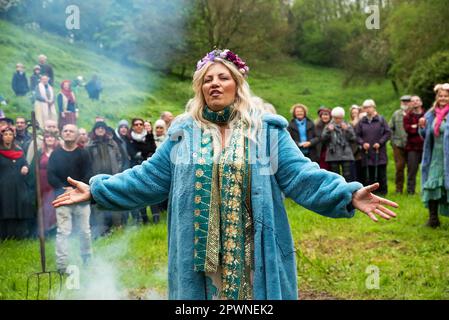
373 134
339 136
224 170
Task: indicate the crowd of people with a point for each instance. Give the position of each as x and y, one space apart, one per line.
354 148
48 105
64 150
357 149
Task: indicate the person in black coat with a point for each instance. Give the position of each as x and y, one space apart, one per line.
46 69
141 147
35 78
93 88
19 81
302 130
16 213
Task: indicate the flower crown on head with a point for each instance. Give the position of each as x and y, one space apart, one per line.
444 86
225 54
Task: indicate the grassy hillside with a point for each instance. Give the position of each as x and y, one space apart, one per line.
138 91
333 255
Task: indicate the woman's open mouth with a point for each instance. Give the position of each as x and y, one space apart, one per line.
215 93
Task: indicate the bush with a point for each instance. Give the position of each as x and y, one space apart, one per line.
427 74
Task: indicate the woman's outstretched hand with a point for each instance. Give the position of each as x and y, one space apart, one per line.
80 193
370 204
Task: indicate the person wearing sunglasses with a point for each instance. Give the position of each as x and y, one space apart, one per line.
141 147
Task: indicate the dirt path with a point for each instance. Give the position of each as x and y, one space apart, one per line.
308 294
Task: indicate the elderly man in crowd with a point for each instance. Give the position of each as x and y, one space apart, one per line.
399 140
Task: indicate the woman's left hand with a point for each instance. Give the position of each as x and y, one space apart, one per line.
372 205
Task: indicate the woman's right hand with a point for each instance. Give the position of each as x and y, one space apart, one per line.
80 193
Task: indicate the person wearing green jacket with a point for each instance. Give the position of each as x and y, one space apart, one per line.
399 140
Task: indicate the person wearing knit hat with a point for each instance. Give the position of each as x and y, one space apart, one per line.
123 123
106 159
35 78
322 110
160 135
160 132
339 136
121 137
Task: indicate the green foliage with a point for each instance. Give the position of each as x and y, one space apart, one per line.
332 254
427 74
416 32
169 36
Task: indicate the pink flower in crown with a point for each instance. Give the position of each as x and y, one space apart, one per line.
225 55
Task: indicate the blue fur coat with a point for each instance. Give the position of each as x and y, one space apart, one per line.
170 173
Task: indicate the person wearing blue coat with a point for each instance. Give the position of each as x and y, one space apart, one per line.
434 128
19 81
225 169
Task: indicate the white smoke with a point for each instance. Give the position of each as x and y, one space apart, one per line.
101 278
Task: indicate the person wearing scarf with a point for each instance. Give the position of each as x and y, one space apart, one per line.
16 214
66 105
141 146
44 105
225 169
302 130
434 128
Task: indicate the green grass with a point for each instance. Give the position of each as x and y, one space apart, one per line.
333 255
332 258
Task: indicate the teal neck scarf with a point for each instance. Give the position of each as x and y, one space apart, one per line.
218 117
222 214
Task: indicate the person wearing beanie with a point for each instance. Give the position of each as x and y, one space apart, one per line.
160 132
35 78
160 135
324 119
121 137
106 158
339 135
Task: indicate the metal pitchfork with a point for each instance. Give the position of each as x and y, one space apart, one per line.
41 276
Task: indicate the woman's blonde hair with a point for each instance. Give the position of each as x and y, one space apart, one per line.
299 105
243 108
438 88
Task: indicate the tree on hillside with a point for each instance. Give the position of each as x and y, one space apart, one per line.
5 5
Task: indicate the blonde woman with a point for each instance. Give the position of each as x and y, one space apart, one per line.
434 128
302 130
224 169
